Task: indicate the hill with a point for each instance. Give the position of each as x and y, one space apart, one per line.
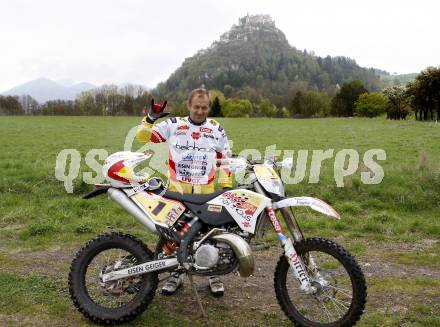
43 89
254 58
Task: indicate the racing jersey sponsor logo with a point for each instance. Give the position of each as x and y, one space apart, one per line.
205 130
208 136
183 127
193 166
195 135
195 157
187 146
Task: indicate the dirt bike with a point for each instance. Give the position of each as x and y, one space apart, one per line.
114 277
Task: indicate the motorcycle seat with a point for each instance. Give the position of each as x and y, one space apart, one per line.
193 198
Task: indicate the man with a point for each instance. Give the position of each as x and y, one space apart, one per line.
197 146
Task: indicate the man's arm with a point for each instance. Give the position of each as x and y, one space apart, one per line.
224 153
157 133
147 132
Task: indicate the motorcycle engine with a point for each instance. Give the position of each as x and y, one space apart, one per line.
206 256
215 257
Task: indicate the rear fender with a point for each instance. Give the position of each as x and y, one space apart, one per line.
99 189
306 201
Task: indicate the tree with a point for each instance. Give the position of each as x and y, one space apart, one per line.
10 105
424 94
397 107
242 108
296 104
227 89
181 109
310 104
30 105
61 107
370 105
267 109
214 93
216 108
88 105
246 107
343 102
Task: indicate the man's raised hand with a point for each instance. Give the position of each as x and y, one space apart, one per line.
156 111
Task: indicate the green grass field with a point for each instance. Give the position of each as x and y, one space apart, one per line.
393 227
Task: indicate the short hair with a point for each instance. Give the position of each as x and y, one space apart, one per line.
200 92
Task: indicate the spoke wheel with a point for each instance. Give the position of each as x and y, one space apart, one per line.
341 289
116 301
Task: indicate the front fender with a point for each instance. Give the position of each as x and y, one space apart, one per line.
306 201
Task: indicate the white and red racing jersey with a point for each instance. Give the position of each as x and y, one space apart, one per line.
195 150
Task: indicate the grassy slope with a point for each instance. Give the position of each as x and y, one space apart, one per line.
36 213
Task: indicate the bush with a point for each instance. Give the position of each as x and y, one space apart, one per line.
242 108
310 104
370 105
344 100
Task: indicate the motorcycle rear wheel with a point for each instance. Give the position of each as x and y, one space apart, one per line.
339 303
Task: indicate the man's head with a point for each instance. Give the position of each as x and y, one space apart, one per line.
199 104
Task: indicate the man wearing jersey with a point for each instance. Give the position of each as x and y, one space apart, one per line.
197 145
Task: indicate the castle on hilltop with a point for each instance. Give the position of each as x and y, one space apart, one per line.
241 32
256 20
247 25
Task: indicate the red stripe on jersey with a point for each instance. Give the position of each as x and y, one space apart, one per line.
172 167
156 137
211 175
219 156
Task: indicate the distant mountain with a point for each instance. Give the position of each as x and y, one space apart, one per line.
397 79
66 82
254 58
43 89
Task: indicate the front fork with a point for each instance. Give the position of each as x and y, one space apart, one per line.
299 270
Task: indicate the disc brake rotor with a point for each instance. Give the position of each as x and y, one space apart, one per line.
119 286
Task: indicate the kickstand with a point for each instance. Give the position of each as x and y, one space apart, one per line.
204 315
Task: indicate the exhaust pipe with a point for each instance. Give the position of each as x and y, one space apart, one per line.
125 202
241 249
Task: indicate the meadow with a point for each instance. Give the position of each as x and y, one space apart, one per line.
393 227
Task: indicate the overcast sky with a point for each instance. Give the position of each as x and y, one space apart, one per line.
145 41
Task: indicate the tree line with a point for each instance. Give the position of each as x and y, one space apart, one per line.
420 97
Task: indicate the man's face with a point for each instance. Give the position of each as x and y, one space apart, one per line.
199 108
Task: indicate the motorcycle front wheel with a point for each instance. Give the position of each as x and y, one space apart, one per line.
112 302
341 289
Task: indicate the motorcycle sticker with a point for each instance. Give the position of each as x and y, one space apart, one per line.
243 205
215 208
164 212
269 179
306 201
